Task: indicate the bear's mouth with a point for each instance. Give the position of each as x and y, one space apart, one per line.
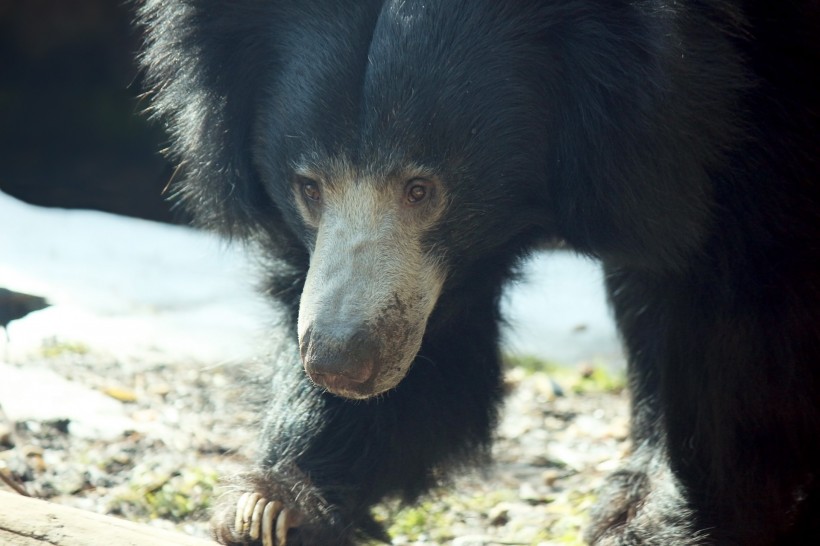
342 386
380 382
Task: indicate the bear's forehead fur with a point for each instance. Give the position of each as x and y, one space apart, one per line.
377 105
352 105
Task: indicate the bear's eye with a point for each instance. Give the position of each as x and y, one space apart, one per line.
309 189
418 190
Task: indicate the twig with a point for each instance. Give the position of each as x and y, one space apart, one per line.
8 478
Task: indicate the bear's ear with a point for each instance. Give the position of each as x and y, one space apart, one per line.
203 61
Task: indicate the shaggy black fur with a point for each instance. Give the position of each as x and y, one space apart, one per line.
675 141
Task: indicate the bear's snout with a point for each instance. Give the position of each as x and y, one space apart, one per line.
342 363
370 288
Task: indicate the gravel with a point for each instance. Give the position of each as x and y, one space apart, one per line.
560 434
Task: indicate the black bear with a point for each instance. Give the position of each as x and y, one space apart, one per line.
396 159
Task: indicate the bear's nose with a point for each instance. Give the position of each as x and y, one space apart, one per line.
343 364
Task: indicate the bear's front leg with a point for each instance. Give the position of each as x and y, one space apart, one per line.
723 451
309 486
325 460
641 504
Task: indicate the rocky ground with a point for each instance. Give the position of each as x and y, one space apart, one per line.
560 433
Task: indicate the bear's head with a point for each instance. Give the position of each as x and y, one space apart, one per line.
397 161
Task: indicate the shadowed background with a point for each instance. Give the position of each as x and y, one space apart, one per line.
69 87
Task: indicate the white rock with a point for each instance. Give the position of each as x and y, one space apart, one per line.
130 288
38 394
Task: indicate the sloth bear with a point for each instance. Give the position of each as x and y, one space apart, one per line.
396 159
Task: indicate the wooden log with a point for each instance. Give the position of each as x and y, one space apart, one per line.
30 522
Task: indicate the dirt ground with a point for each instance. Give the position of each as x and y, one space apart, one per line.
560 434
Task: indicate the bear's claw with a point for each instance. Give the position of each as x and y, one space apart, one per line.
258 519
